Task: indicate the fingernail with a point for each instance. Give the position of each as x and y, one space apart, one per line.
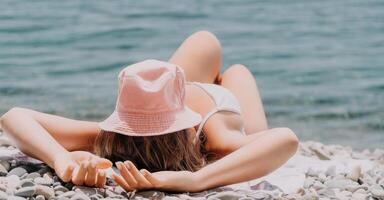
126 163
118 165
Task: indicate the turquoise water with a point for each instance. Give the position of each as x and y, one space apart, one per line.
319 64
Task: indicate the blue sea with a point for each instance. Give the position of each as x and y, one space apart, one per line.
319 65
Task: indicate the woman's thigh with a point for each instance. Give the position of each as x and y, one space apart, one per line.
200 57
240 81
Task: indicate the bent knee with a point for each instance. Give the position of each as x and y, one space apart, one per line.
208 39
13 111
238 70
289 136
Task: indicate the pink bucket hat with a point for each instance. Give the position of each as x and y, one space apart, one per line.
150 101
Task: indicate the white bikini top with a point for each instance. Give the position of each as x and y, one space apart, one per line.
223 99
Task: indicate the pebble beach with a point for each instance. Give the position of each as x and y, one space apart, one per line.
316 171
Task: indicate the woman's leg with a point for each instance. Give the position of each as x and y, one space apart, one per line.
240 81
200 57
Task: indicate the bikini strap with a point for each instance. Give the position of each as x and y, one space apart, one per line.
205 119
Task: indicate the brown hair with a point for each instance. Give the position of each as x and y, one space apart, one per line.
173 151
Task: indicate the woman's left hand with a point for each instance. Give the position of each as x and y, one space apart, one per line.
133 179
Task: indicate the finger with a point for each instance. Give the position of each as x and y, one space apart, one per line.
103 163
120 181
90 178
101 179
149 176
78 178
67 174
128 177
141 180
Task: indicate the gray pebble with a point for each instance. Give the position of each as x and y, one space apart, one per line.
3 170
3 195
18 171
5 142
359 196
58 193
318 185
377 191
56 184
80 196
27 183
60 188
86 190
40 197
96 197
308 182
331 171
311 172
47 192
5 164
15 198
354 173
43 181
260 195
26 191
68 194
339 183
33 175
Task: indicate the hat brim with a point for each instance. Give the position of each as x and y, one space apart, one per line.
142 126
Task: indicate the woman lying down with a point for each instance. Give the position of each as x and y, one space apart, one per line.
177 126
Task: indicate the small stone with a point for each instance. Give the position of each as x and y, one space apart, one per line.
318 185
331 171
230 195
5 142
320 153
58 193
26 191
43 181
33 175
56 184
15 198
9 182
86 190
60 188
308 182
27 183
340 183
68 194
354 173
47 192
354 188
40 197
3 170
3 195
327 192
359 196
96 197
18 171
377 191
311 172
80 196
322 177
5 164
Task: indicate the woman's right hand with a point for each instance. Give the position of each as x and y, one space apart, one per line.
81 168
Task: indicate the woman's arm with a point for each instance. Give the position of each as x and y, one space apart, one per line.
270 150
49 138
71 134
255 159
